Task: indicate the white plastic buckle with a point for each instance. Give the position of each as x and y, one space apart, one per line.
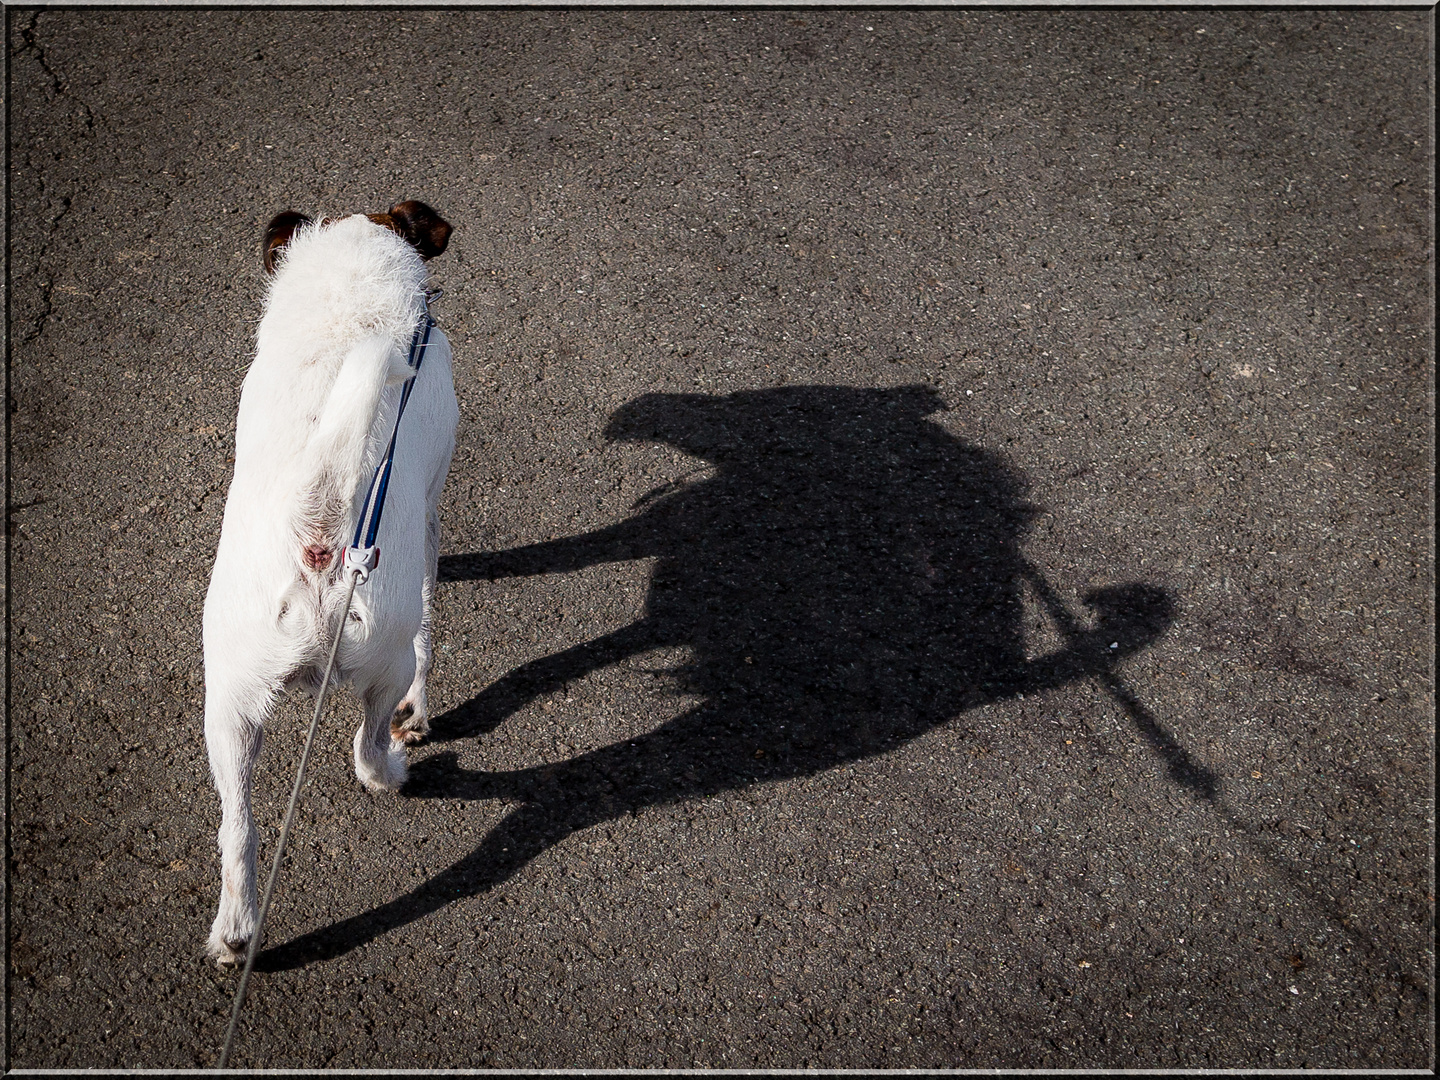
361 561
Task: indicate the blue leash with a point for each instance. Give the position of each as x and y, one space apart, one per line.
360 558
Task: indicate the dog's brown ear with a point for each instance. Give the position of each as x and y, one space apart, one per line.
282 227
426 230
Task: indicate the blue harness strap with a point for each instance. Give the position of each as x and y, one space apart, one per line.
362 558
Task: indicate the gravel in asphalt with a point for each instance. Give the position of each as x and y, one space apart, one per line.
837 387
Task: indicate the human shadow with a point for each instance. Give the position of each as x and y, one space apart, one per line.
845 577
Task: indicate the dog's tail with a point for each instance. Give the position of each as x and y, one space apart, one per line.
341 450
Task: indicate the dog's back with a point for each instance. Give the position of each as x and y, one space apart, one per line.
338 319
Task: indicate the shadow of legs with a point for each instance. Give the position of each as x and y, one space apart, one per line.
519 686
522 835
677 761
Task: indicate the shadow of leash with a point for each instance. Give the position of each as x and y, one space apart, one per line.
1184 770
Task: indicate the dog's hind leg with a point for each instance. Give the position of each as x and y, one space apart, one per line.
411 721
380 759
233 737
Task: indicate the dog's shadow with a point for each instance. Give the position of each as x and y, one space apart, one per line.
846 577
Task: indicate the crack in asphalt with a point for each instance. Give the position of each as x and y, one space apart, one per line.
30 36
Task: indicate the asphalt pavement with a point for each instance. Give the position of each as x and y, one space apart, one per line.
938 564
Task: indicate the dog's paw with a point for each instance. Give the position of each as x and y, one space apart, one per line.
227 946
385 774
410 723
227 953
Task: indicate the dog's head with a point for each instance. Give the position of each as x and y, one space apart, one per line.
420 226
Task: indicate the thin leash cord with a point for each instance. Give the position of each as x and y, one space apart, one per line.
285 830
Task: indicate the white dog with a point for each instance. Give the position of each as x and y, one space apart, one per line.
316 413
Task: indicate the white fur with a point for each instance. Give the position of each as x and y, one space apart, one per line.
316 411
